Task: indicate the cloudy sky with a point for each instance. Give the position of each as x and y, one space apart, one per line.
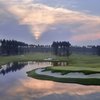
44 21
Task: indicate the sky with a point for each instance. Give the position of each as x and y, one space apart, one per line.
45 21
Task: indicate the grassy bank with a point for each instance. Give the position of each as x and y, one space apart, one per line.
75 60
26 57
87 64
87 81
68 69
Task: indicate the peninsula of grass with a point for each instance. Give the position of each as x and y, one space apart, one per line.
68 69
85 81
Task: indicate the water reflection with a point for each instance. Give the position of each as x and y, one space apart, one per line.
58 63
31 89
17 86
15 66
12 67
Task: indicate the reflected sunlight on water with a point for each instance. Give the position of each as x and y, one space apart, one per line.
17 86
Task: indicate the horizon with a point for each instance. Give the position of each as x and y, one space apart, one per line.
52 42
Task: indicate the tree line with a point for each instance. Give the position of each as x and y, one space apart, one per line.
12 47
61 48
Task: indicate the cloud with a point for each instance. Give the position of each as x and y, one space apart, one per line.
86 37
35 89
40 18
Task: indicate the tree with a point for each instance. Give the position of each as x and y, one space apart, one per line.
55 47
62 49
98 50
12 47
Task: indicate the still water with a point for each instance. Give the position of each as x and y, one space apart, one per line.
16 85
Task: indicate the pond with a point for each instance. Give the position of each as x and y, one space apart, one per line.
16 85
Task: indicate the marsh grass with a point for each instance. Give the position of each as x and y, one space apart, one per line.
87 81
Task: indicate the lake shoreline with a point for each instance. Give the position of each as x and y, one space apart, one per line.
38 57
70 74
40 74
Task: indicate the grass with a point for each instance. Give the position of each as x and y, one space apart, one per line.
26 57
87 64
85 60
68 69
87 81
75 60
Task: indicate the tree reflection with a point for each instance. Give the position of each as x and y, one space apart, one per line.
12 67
58 63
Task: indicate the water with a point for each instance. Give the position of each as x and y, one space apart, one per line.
15 85
59 63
